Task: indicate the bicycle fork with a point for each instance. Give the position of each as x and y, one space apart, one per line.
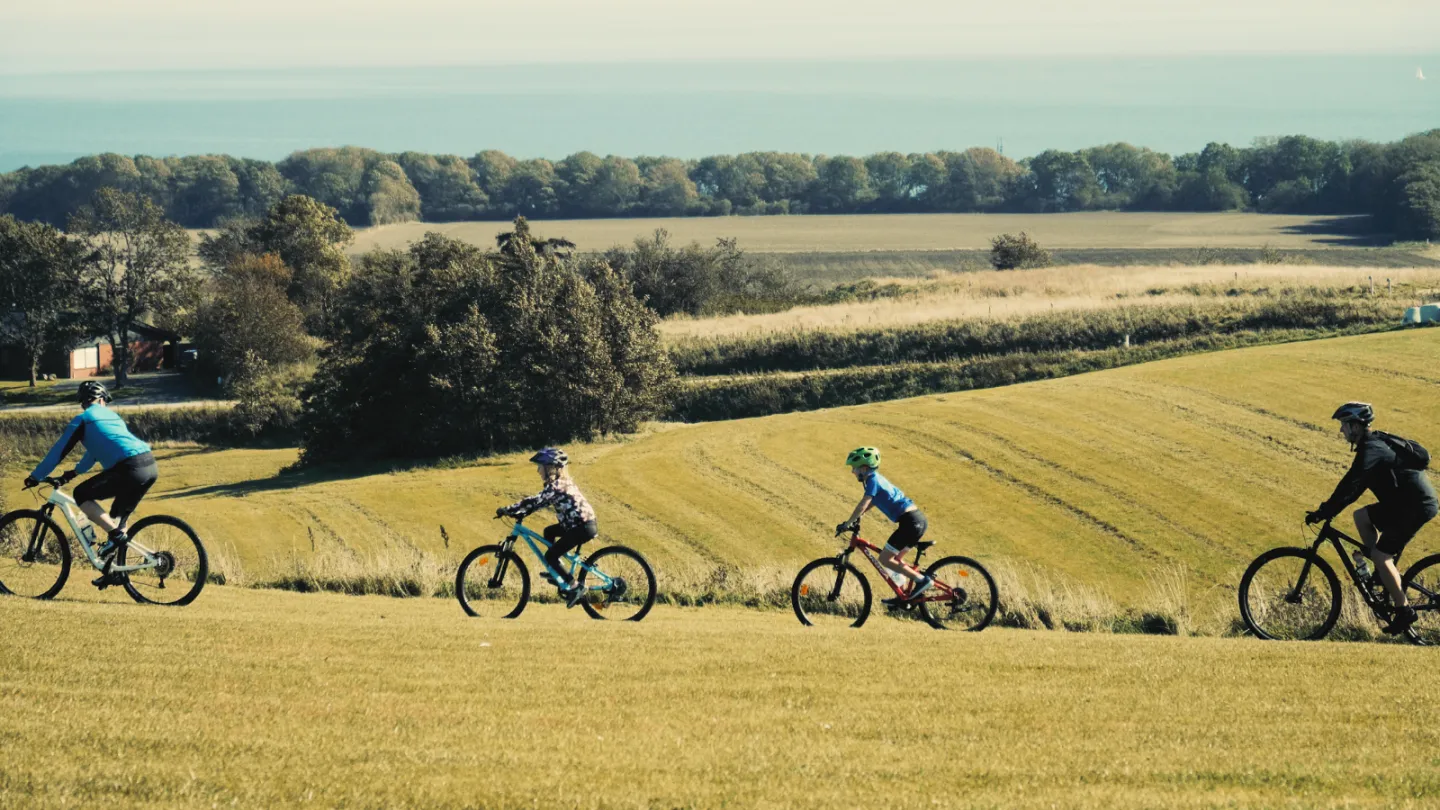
503 563
840 572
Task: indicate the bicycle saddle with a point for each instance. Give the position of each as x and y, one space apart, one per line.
923 546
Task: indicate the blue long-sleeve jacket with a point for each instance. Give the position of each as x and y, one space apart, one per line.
105 437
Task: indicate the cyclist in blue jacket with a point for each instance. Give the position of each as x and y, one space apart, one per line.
128 467
910 522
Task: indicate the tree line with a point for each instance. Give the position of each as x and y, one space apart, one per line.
1397 183
442 348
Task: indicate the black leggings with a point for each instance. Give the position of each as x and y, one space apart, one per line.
563 541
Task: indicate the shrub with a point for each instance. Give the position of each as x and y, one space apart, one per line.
1017 252
702 281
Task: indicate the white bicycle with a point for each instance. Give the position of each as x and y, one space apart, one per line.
164 562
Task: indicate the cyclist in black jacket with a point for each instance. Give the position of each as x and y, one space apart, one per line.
1405 501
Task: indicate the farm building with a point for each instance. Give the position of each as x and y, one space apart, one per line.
151 348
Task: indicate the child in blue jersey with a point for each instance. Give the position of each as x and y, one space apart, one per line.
128 468
910 523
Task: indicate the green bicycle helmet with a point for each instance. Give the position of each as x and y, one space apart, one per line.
866 456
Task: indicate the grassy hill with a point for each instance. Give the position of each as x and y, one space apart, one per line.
267 699
1114 480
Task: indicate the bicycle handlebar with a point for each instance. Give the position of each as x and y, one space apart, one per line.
54 482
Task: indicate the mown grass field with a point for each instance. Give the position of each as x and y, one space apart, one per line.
272 699
914 232
1117 481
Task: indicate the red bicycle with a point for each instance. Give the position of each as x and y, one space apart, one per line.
832 591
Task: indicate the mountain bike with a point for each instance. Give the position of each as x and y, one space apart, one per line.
493 581
163 563
1292 593
831 591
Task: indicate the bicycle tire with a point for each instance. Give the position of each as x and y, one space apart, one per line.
1426 630
21 577
145 587
965 588
799 595
511 562
1256 614
601 609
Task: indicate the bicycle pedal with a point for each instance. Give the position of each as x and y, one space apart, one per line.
106 580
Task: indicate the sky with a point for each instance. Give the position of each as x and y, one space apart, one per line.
46 36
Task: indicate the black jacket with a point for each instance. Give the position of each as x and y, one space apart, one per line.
1376 469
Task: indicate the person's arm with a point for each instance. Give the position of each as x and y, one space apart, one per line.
861 508
1353 485
74 432
526 506
86 462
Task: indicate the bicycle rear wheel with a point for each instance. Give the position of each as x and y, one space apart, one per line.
1290 594
492 582
34 555
619 583
829 593
1422 588
973 597
182 565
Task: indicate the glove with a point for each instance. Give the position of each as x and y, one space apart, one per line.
70 475
1314 517
847 526
501 512
30 482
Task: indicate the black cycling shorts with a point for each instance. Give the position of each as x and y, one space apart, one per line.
908 530
1398 524
126 482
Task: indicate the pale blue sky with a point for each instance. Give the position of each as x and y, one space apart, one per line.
39 36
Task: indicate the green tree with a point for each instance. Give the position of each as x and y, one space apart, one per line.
447 187
388 194
39 270
310 239
482 352
248 325
842 185
1063 181
667 189
137 266
1419 192
890 178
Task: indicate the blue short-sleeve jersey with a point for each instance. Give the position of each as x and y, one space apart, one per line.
103 434
886 496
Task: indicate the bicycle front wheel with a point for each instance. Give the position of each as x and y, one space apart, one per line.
1422 588
829 593
972 597
492 582
179 568
34 555
619 585
1290 594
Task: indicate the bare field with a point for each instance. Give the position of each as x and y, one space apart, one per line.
909 232
269 699
1003 294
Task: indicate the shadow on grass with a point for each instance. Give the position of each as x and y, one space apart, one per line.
1344 231
298 477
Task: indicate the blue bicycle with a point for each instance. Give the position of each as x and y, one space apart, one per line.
493 581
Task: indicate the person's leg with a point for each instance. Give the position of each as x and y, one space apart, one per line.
555 534
890 557
1365 527
1389 576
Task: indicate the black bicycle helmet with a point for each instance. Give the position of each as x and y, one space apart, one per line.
551 456
1355 412
90 390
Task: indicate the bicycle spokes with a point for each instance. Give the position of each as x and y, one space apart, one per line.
34 557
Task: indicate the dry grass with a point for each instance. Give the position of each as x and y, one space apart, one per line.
1005 294
875 232
269 699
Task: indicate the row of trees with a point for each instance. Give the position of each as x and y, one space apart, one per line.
1395 182
442 348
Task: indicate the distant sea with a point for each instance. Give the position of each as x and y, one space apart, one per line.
693 109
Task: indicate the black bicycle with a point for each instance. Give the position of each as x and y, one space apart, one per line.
1293 594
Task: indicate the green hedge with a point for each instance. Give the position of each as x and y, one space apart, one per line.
1062 331
31 433
742 397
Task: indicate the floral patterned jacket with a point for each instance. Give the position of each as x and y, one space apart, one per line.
571 508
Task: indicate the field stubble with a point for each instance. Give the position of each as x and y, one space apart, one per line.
268 699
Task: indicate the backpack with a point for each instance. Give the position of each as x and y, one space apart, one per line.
1409 455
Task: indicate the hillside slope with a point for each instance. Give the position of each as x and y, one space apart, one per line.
1107 478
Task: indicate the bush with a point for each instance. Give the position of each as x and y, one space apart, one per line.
702 281
444 350
1012 252
268 401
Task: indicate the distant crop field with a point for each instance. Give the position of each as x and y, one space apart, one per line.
270 699
917 232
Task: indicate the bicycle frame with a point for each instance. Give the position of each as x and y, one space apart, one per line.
536 542
1337 539
940 593
68 508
